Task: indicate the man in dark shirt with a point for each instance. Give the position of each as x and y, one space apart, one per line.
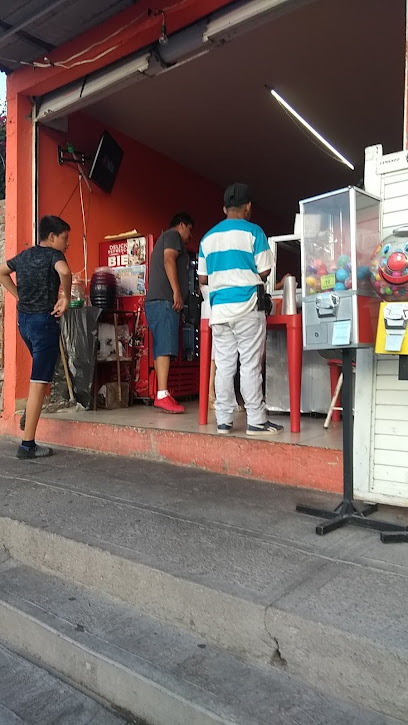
40 270
165 298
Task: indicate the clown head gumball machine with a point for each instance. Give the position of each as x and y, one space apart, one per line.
389 277
339 231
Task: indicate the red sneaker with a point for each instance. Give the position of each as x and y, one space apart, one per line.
169 405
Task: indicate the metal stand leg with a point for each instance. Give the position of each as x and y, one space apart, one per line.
347 512
394 537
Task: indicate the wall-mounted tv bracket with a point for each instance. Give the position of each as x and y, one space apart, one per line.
75 157
68 155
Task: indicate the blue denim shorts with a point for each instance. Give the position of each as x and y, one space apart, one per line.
164 324
40 332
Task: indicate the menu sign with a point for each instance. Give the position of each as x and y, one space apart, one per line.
125 253
127 258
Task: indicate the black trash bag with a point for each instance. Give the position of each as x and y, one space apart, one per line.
79 332
59 396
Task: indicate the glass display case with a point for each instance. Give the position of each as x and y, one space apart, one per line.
340 233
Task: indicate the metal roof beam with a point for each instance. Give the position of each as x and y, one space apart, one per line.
28 37
31 19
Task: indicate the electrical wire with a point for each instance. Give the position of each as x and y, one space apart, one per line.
81 176
85 232
69 199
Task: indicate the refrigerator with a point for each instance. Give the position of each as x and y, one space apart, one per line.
129 258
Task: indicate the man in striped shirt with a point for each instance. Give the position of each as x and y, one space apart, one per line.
235 261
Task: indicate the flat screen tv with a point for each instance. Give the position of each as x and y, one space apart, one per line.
107 160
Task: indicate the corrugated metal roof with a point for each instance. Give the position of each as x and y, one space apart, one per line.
30 29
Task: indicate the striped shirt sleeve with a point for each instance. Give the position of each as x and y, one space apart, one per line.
202 264
262 251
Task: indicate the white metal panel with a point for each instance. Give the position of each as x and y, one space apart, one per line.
396 494
392 428
394 205
392 474
387 365
389 451
396 187
395 201
398 459
381 467
386 382
391 398
391 412
393 220
390 442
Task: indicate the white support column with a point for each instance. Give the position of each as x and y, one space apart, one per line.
363 422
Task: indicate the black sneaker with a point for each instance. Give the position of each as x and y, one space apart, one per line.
224 428
22 421
34 452
264 429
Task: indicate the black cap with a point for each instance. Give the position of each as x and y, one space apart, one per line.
237 195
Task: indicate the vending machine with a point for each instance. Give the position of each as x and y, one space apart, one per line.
129 258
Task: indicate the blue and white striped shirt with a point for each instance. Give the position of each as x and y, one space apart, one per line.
232 255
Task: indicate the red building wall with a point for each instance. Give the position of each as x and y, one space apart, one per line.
149 189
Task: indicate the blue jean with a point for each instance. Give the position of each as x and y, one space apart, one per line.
164 324
40 332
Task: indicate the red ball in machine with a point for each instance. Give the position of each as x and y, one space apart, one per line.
389 266
397 262
322 270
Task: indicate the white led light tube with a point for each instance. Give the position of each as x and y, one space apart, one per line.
312 130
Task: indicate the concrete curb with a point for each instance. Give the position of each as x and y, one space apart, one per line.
231 623
289 464
130 692
345 665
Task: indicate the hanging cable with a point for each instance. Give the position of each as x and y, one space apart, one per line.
84 237
69 199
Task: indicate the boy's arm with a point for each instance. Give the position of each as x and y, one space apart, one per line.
264 275
170 265
65 276
6 280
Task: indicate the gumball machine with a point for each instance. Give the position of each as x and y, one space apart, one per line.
389 266
389 277
339 231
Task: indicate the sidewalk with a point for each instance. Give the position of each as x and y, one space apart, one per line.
224 559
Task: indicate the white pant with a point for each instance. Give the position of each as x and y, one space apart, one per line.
246 338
